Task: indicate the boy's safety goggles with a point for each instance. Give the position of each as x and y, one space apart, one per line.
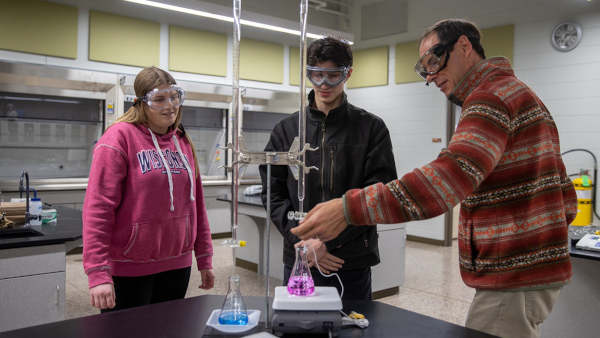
434 60
163 98
330 76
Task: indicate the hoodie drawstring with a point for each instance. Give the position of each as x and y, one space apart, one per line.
166 165
187 167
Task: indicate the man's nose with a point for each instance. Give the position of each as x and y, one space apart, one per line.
429 79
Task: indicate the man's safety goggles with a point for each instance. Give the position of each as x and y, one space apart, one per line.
330 76
434 60
163 98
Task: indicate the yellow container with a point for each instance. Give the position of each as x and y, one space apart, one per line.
583 188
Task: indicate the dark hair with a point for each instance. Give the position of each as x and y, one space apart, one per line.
329 49
449 30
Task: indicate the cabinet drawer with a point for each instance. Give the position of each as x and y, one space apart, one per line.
32 300
32 260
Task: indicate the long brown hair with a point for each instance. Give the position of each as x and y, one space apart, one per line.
146 80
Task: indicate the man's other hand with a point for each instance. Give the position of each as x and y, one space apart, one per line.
327 262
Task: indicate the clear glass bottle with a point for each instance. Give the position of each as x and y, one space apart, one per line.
233 311
301 282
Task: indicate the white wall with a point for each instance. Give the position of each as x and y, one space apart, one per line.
568 83
414 115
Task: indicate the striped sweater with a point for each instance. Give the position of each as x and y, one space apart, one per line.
503 163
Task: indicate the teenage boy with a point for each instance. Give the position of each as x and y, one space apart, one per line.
355 150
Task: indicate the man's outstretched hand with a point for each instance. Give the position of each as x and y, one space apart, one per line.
325 221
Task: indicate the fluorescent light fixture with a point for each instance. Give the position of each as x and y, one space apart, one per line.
36 99
225 18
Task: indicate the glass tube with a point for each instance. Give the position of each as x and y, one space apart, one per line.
302 114
236 121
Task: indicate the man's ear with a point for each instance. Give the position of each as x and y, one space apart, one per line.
465 45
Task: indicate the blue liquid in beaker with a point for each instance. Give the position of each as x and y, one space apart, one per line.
233 318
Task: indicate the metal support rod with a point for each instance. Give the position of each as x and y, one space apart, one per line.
302 112
25 188
267 260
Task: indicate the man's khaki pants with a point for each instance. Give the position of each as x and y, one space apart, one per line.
511 314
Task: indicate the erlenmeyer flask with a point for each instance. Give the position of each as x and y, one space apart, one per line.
301 282
233 311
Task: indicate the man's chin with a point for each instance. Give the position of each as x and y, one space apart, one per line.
446 90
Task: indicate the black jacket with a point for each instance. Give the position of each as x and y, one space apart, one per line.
355 150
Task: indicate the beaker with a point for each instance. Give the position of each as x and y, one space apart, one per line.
233 311
301 282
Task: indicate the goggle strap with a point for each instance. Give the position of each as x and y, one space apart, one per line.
321 69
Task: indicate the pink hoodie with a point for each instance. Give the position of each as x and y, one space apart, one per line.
143 212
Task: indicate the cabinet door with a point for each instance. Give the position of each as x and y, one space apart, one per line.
32 300
390 272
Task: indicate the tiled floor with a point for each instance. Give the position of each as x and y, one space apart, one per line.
432 286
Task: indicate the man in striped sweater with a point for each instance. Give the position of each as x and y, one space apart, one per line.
504 165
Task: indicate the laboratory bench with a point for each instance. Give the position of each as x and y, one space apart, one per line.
186 318
576 310
576 235
387 276
32 271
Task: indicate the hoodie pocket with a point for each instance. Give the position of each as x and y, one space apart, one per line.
466 243
163 239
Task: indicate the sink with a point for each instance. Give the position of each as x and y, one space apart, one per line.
19 233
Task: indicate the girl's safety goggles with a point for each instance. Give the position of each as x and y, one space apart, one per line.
163 98
330 76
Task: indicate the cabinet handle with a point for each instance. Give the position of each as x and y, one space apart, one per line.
57 295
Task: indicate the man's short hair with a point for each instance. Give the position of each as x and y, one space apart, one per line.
329 49
449 30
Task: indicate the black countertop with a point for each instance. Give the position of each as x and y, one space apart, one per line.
588 254
186 318
67 228
253 200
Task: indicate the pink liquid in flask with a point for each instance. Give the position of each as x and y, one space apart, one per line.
301 286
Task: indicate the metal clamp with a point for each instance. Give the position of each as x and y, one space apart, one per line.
289 158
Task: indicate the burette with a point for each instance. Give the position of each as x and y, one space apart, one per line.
236 118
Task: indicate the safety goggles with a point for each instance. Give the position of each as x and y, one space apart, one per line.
163 98
434 60
330 76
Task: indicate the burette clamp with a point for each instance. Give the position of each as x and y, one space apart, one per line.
296 215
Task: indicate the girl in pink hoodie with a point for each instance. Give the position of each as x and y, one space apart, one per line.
144 214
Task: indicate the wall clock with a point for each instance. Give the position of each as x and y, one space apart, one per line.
566 36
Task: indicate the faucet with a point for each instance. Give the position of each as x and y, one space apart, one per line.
25 175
